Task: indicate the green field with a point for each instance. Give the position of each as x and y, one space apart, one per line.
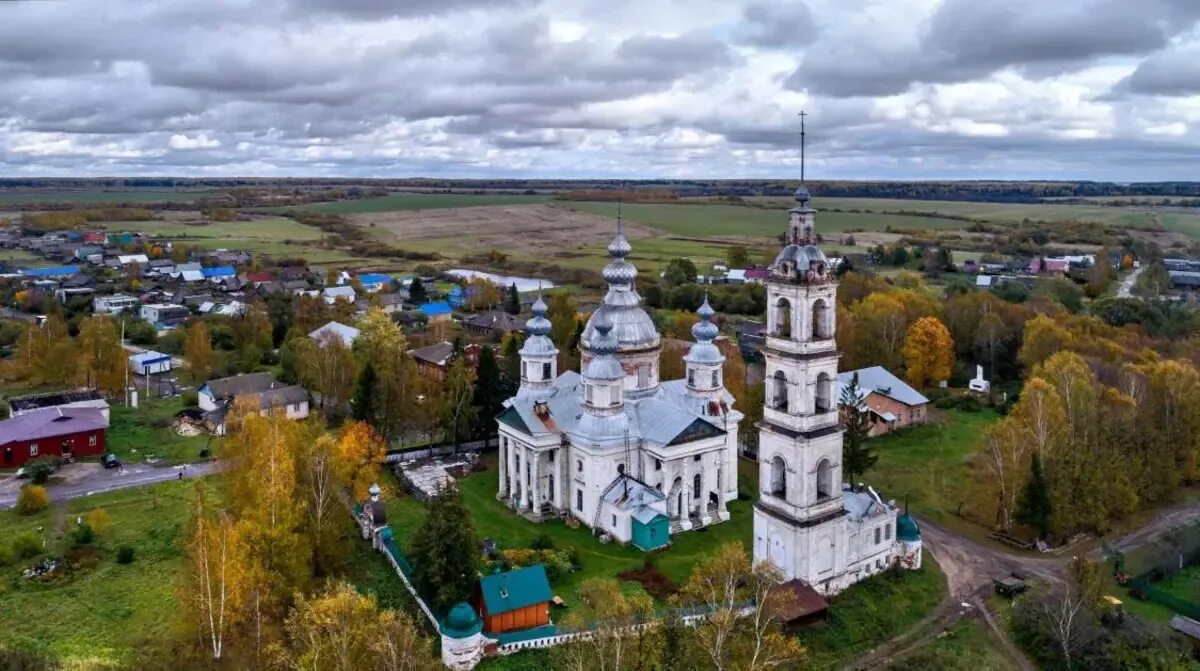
108 196
710 220
18 256
138 434
104 616
415 201
928 465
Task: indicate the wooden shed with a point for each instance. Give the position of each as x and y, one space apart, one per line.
515 600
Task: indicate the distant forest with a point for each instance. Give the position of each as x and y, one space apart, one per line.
979 191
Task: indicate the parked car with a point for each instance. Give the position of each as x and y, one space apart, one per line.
110 460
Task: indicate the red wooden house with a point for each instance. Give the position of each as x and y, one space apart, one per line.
56 432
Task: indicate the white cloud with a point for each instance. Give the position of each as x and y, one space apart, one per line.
182 142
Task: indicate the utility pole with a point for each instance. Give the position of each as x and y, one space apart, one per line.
126 353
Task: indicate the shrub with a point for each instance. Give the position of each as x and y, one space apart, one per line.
98 520
190 398
33 499
125 554
26 545
542 542
7 555
41 469
83 534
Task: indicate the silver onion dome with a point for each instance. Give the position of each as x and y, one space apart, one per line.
801 194
538 325
703 351
802 257
538 342
632 328
603 366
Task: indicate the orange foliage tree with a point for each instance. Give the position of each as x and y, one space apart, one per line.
928 352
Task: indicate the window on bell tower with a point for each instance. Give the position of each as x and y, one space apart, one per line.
783 318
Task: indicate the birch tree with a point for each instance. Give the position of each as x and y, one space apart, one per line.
213 591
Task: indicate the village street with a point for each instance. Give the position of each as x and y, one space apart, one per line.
85 479
970 567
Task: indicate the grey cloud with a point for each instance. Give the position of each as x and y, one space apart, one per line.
1171 72
777 25
965 39
382 9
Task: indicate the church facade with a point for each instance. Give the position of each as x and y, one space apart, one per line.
613 446
807 522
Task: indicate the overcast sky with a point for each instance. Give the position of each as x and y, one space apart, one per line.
895 89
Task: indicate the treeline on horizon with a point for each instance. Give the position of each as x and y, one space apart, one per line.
954 190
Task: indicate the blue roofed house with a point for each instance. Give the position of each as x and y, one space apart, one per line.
217 272
457 296
51 271
372 282
893 404
438 311
150 362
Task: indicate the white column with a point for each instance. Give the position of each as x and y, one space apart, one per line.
704 485
503 467
536 486
514 481
521 475
556 495
687 493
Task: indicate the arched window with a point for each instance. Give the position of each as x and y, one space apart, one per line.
820 321
778 477
579 466
824 392
696 487
824 480
779 391
783 318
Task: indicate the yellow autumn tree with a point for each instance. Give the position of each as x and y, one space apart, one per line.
101 359
361 452
928 352
213 590
197 351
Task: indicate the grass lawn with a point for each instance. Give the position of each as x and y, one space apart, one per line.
1184 585
966 645
871 612
18 256
101 617
136 434
493 520
414 201
928 464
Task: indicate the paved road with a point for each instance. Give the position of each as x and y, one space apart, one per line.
109 480
1126 287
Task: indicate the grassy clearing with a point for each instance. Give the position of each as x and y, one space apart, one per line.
414 201
871 612
928 464
1184 585
138 434
704 220
966 645
18 256
108 196
493 520
100 617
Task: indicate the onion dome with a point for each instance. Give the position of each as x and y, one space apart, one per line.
603 366
801 194
538 325
374 491
632 328
907 530
461 622
704 330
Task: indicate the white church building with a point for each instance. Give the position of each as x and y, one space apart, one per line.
627 454
807 522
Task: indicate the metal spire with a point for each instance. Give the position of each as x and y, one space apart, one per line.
802 115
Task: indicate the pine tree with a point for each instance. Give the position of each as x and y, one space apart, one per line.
857 453
416 292
488 396
510 363
1033 503
513 304
362 404
445 552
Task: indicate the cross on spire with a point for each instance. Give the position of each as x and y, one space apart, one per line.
802 115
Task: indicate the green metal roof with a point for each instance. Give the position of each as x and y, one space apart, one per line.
907 530
461 622
511 417
504 592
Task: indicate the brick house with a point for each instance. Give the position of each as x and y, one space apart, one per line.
56 432
892 402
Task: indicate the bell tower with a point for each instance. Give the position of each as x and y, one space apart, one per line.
799 520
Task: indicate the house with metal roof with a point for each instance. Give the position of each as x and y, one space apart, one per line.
346 334
612 445
74 398
892 402
150 362
216 397
514 600
52 432
437 311
51 271
372 282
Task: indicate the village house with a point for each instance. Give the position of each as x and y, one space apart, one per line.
150 362
75 398
164 315
216 397
346 334
52 432
433 360
114 303
494 323
436 312
893 404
